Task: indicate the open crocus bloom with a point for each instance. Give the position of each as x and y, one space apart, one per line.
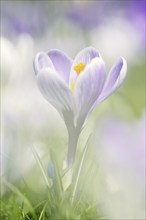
74 88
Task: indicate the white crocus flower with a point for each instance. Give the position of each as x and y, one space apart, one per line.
74 88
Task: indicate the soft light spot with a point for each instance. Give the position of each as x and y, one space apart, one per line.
79 68
73 86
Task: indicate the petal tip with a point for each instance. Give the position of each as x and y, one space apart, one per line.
35 63
41 61
58 52
93 50
124 65
123 60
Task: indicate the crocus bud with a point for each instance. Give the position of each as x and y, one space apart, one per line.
51 172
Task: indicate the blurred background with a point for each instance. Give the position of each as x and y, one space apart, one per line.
114 28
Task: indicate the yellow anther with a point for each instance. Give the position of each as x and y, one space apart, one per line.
79 68
72 86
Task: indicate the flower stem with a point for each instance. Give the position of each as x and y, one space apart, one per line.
72 145
79 171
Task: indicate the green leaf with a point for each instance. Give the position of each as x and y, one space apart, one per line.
36 156
57 181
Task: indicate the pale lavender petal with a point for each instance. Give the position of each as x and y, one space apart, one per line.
62 63
42 61
115 78
85 56
55 90
88 87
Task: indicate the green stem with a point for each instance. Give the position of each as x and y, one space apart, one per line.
79 171
72 146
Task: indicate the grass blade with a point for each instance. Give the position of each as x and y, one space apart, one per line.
20 194
57 181
42 212
79 170
36 156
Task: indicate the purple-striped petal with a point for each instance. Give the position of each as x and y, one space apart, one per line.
62 63
88 87
55 90
115 79
41 62
85 56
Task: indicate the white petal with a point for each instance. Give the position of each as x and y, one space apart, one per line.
115 78
88 87
84 56
56 91
62 63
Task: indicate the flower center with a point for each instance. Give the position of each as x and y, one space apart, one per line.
79 68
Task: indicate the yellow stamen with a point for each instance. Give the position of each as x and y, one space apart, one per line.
79 68
73 86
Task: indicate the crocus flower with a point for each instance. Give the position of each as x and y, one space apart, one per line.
74 88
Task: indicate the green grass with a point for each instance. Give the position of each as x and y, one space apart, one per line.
53 201
12 208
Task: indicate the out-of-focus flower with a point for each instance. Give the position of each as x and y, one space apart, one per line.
123 168
74 88
135 13
7 60
81 8
14 19
17 105
14 152
109 39
10 67
89 14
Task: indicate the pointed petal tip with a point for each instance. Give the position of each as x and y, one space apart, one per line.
98 60
55 50
118 73
122 60
119 70
35 63
90 48
52 52
123 70
42 61
115 78
62 63
93 50
98 63
88 87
